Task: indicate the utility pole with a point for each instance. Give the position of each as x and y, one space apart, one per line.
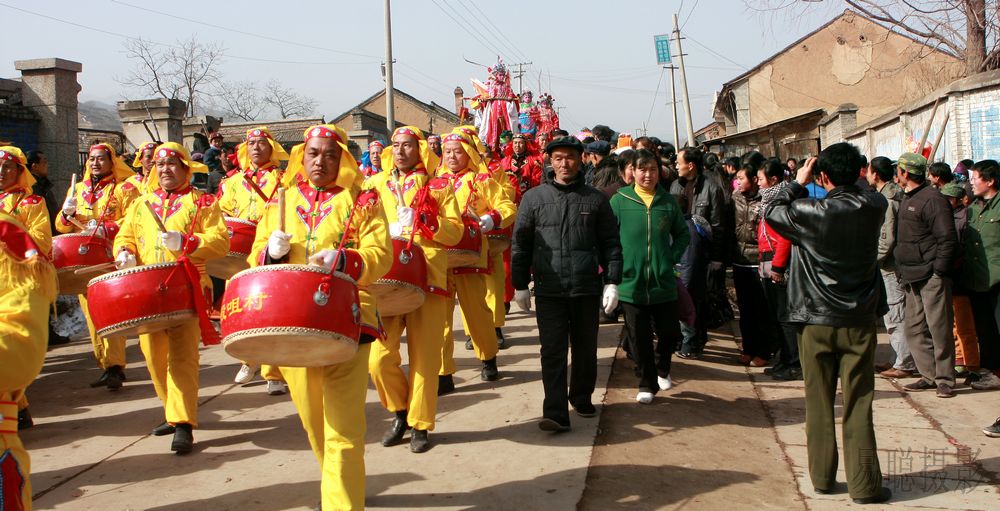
390 118
673 106
684 83
520 73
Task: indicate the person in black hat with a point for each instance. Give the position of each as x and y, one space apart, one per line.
594 153
564 235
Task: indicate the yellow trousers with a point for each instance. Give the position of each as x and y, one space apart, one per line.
172 359
471 289
964 330
109 351
331 405
418 393
495 290
15 464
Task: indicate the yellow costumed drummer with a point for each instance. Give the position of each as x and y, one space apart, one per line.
99 202
414 201
194 233
323 194
143 163
245 195
483 197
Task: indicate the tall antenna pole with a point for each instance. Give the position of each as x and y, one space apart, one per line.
390 118
684 83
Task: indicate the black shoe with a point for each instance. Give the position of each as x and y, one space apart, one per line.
993 431
607 320
446 384
102 381
972 377
394 435
164 429
551 425
919 385
490 371
56 339
883 495
945 391
585 410
183 439
468 343
788 374
24 419
768 371
115 377
419 441
501 340
506 307
690 354
823 491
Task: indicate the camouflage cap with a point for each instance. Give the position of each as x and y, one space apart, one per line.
912 163
953 190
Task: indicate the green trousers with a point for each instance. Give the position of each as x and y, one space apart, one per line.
848 352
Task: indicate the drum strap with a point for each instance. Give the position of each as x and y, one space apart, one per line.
208 334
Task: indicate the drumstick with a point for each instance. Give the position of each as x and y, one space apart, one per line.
159 223
281 208
76 223
96 267
72 190
72 184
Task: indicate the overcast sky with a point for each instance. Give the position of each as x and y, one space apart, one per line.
596 58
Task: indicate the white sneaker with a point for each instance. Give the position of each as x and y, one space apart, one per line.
644 397
275 387
665 383
987 381
246 374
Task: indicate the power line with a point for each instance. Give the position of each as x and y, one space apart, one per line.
521 55
491 32
693 7
462 24
244 32
657 93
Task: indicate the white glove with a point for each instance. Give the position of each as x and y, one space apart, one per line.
610 302
395 229
278 244
325 258
89 228
405 216
522 297
486 223
172 240
715 265
124 260
69 205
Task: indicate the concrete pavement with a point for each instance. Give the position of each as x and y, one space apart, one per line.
725 436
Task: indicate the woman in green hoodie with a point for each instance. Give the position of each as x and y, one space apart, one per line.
653 236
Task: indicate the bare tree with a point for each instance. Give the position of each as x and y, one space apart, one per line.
185 70
287 102
967 29
240 100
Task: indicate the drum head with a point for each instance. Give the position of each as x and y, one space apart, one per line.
225 267
148 324
72 284
462 258
290 347
498 245
395 297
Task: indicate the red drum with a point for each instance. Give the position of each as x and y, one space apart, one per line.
499 240
291 315
402 290
140 300
241 236
71 252
466 252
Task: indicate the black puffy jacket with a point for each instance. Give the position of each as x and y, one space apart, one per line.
926 242
563 234
834 278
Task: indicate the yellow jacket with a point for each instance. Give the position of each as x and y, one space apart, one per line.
27 287
443 217
239 200
479 194
30 210
106 197
316 218
140 235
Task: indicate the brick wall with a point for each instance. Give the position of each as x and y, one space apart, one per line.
19 125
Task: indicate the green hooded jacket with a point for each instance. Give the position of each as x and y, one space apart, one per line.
653 240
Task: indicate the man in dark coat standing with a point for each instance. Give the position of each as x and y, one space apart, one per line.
565 235
835 296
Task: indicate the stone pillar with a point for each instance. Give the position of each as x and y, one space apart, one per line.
459 93
163 120
49 87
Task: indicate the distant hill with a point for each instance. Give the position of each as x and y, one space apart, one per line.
99 116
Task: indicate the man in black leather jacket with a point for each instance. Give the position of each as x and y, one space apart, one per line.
835 296
565 235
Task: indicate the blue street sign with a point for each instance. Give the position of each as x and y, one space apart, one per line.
662 48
